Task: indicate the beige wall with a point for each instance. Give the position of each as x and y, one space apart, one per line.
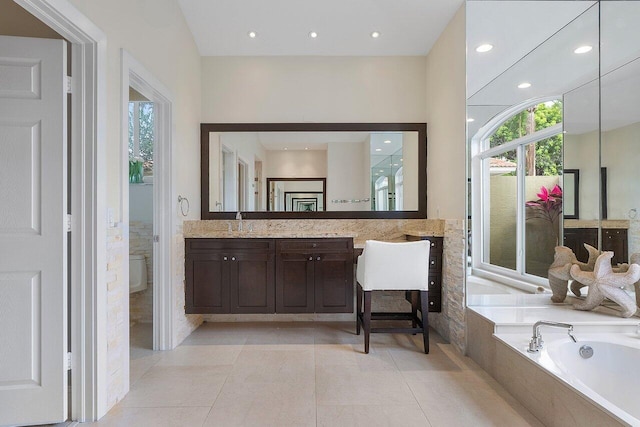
446 121
313 89
155 34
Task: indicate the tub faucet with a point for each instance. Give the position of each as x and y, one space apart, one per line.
239 218
536 340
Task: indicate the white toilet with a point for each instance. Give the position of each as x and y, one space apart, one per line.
137 273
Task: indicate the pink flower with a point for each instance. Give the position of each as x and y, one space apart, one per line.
548 206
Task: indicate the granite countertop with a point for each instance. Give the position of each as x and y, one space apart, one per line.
594 223
266 234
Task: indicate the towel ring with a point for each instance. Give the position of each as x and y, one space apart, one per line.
183 201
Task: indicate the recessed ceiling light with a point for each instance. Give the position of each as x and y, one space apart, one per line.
524 85
313 34
583 49
306 148
285 148
378 149
381 170
402 160
395 164
471 119
375 34
484 48
387 141
252 34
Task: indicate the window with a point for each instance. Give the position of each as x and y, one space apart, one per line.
517 191
141 133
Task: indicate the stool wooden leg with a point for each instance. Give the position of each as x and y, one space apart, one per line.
358 307
414 308
424 307
367 319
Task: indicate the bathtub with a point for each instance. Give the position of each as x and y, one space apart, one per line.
610 378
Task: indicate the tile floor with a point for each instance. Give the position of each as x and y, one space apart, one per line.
308 374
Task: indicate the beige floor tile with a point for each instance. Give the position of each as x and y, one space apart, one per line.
371 416
201 355
264 404
156 417
308 373
177 386
347 355
342 385
463 398
140 366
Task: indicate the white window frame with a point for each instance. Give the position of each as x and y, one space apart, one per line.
136 125
480 207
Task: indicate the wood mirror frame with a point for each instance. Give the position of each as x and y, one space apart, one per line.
420 128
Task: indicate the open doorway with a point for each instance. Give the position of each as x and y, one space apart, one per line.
141 127
148 212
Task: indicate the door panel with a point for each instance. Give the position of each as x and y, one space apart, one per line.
33 238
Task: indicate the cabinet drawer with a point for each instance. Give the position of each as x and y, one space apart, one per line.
315 245
227 245
435 303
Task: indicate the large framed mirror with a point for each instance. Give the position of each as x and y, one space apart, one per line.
313 170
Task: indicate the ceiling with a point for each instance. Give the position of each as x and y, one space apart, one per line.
540 50
344 27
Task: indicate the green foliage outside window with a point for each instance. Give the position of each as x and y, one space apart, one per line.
145 136
548 155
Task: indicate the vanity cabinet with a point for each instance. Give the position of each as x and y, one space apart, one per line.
574 239
314 275
229 276
268 275
613 239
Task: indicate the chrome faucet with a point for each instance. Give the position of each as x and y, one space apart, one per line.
239 218
536 340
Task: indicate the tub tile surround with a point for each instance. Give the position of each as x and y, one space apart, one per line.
497 333
449 323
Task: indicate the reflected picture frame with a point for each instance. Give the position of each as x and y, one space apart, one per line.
571 193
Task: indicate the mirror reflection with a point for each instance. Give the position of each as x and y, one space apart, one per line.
587 147
296 194
313 171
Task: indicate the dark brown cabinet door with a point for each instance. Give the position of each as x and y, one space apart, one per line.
207 283
333 273
615 240
252 282
314 275
294 283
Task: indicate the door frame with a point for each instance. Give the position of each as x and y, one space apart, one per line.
87 274
135 75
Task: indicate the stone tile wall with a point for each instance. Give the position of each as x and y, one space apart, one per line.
117 322
183 324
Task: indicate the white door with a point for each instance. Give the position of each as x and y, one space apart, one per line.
33 238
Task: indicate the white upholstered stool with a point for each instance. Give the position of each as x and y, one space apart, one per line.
387 266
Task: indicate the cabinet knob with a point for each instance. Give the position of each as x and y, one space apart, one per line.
233 258
314 245
430 302
224 258
318 259
433 283
433 263
432 244
310 258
